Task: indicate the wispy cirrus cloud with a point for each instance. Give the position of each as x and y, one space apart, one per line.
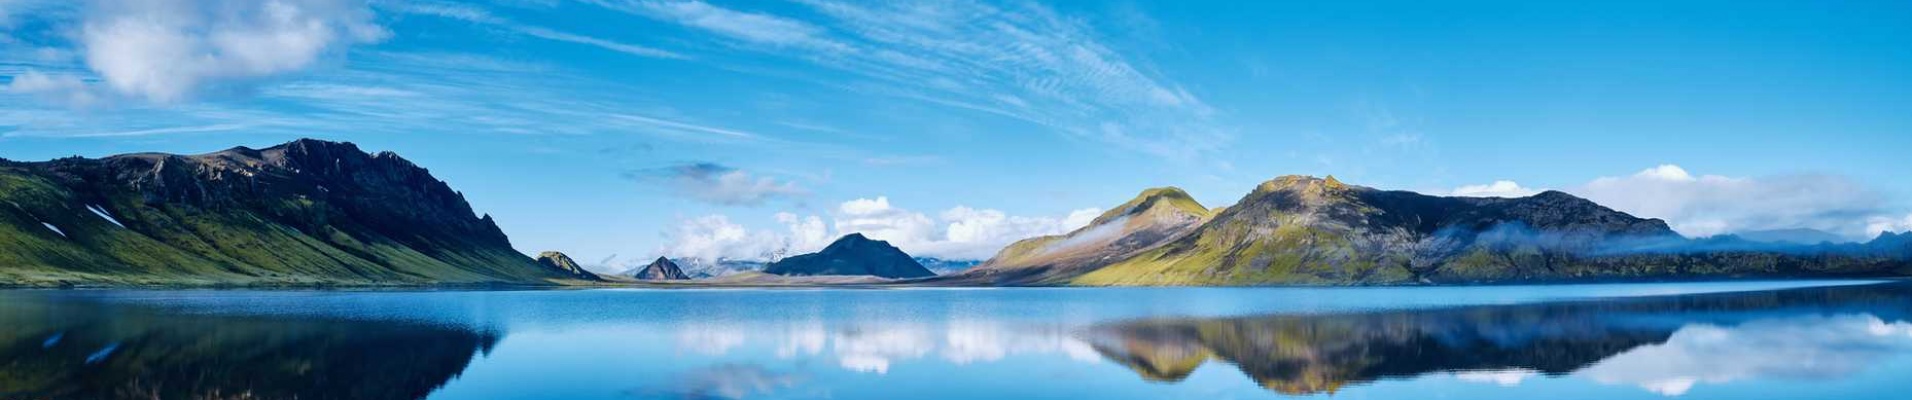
481 16
1021 61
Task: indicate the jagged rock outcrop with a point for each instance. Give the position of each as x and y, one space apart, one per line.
563 264
853 254
663 269
304 212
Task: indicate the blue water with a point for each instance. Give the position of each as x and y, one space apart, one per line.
1807 339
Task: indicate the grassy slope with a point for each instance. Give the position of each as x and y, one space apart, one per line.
182 246
1237 247
1154 210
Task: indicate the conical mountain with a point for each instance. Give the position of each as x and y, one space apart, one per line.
563 264
1307 230
853 254
1152 218
660 270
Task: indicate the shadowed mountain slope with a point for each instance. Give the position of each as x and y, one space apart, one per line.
305 212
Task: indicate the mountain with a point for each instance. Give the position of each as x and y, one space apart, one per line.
563 264
1152 218
305 212
660 270
1792 236
700 268
946 267
853 254
1320 231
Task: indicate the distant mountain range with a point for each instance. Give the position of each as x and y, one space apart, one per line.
1793 236
1307 230
313 212
302 213
945 267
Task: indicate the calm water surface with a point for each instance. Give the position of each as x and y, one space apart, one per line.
1688 340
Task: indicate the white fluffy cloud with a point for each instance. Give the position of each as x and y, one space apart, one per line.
1706 205
961 232
1882 224
164 51
714 237
1496 189
65 89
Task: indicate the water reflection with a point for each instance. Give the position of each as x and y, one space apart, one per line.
914 344
87 350
1664 345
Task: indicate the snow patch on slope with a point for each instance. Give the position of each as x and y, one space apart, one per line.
101 211
55 229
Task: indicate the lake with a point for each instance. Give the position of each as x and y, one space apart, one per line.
1727 340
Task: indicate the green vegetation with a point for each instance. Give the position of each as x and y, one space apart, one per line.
235 218
1308 231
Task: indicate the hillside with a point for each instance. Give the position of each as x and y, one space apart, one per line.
302 213
1151 219
1320 231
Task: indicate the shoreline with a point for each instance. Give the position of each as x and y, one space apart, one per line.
694 285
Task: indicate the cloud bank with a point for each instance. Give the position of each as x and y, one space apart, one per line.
1707 205
959 233
1496 189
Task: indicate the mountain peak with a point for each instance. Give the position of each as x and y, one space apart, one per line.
1173 198
853 240
660 270
1302 182
853 254
563 264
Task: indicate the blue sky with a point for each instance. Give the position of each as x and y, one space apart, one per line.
745 128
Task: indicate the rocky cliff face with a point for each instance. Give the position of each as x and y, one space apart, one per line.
305 212
853 254
660 270
564 265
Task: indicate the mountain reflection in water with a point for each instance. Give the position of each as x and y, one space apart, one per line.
91 350
1662 344
1833 341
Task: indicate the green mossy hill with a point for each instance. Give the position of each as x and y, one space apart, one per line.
563 264
307 212
1315 231
1153 217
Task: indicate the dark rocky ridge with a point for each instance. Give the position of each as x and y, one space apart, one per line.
661 269
853 254
304 212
